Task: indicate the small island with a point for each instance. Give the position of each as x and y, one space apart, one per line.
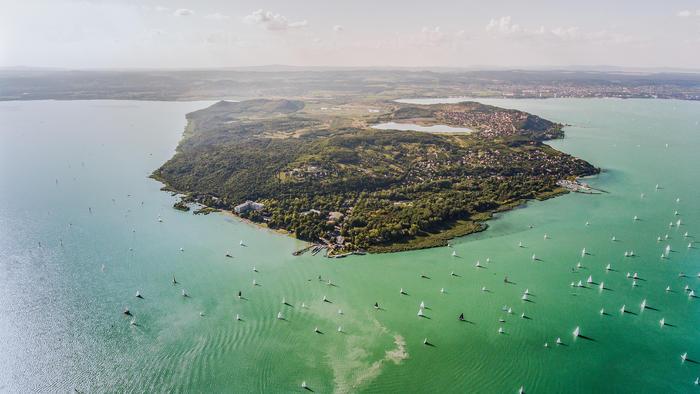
318 170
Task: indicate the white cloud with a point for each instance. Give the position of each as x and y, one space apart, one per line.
435 36
183 12
272 21
687 13
505 27
217 16
338 28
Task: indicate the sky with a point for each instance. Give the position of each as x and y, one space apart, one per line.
429 33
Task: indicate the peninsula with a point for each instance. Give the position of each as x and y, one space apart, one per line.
319 170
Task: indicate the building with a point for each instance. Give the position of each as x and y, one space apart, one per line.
247 206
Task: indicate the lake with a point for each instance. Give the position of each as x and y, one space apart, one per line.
427 129
79 235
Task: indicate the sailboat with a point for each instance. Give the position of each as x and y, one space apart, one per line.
668 288
684 356
442 290
622 310
534 257
304 385
602 311
138 294
280 316
241 243
558 341
662 322
520 244
238 317
422 305
420 313
402 292
608 267
500 330
524 297
583 252
454 253
590 279
643 305
577 331
601 286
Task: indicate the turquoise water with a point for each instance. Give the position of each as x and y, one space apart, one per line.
61 303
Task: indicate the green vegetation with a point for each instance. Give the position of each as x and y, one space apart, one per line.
324 174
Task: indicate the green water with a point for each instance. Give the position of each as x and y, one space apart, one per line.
62 326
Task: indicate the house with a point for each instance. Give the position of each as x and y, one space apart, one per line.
335 216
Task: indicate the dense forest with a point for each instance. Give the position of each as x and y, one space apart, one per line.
324 174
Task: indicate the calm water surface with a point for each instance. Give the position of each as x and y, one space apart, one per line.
428 129
79 236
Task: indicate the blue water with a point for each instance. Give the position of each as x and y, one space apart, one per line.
79 236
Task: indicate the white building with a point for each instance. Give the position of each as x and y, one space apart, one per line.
247 206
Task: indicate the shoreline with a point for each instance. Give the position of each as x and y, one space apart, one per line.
437 235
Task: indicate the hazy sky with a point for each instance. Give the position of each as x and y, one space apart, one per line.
219 33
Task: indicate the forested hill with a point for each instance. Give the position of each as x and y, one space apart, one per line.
322 171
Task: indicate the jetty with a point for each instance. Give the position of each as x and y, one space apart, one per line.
579 187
